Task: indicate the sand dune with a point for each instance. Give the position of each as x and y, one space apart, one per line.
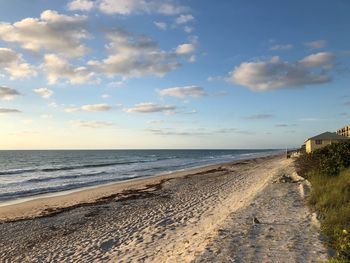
200 216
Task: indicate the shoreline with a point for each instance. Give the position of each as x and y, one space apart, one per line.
69 191
51 203
183 217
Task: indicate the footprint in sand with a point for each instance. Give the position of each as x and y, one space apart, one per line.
107 245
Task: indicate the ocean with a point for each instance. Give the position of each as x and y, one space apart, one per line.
31 173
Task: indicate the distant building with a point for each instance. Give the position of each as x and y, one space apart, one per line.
345 131
322 140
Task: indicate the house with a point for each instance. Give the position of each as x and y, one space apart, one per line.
345 131
322 140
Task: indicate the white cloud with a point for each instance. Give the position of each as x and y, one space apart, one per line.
169 132
96 107
8 56
14 65
183 92
185 49
150 108
105 96
281 47
128 7
134 56
81 5
89 107
51 32
59 68
282 125
53 104
317 60
184 19
46 116
192 59
189 112
317 44
175 132
7 111
8 93
215 78
161 25
156 122
91 124
188 29
44 92
118 83
21 70
259 116
71 109
275 74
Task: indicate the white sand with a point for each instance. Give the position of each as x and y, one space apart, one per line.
287 231
181 220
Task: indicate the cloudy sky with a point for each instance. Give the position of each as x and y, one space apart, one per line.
172 74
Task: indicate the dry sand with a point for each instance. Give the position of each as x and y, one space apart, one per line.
205 215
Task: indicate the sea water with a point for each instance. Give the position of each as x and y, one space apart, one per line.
30 173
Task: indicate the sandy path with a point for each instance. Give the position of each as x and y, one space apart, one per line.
287 232
172 223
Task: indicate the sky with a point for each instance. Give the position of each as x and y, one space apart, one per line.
151 74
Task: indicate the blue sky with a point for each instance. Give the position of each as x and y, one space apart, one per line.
171 74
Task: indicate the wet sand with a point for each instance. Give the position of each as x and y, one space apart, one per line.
178 217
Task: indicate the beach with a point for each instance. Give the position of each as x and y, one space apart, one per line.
198 215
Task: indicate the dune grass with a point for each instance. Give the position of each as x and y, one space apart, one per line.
330 196
328 170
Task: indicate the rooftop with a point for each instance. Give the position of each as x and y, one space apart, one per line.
328 136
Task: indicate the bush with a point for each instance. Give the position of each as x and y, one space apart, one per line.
330 196
327 170
327 161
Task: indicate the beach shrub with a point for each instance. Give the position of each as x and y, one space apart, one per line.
330 196
328 170
329 160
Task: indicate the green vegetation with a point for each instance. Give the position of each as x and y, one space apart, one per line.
328 170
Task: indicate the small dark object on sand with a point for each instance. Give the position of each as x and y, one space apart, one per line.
255 220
